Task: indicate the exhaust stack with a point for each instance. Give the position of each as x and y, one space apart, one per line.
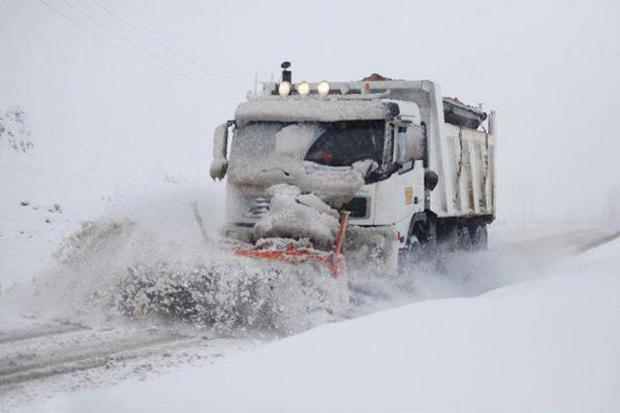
287 75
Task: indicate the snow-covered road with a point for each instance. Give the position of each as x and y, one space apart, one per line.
41 361
503 349
544 345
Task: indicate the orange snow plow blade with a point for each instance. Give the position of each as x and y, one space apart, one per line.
334 260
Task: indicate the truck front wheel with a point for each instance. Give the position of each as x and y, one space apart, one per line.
421 244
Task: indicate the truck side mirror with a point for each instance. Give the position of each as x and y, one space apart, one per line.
219 165
411 143
431 179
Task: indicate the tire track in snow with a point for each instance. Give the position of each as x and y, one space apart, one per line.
88 356
561 244
45 331
598 242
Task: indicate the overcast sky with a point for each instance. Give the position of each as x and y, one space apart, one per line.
155 77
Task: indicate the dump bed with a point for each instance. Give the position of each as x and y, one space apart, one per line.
472 162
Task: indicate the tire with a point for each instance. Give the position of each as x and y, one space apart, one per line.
480 238
410 255
421 246
449 238
465 241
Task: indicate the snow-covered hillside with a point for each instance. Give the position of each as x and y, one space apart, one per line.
51 184
545 345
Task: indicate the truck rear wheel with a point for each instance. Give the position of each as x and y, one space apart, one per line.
465 242
480 237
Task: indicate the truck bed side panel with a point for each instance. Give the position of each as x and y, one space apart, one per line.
472 156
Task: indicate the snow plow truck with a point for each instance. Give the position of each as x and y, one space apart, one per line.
329 186
315 168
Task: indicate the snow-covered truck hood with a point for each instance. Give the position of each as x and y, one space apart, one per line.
335 185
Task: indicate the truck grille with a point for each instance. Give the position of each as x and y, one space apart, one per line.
257 207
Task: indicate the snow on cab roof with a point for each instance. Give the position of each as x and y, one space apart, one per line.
291 109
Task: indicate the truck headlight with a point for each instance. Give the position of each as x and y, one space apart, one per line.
284 89
303 89
323 88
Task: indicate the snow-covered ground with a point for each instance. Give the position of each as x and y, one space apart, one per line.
549 344
112 133
530 325
544 338
47 193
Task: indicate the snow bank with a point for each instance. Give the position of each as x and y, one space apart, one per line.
547 345
232 295
147 259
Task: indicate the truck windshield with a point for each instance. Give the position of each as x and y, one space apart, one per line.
346 142
331 144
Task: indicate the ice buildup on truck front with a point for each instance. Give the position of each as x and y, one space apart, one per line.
407 164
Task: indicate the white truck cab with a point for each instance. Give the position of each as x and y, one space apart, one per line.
394 153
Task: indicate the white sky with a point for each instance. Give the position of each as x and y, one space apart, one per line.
153 78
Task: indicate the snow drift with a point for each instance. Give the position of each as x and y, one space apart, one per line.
149 261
